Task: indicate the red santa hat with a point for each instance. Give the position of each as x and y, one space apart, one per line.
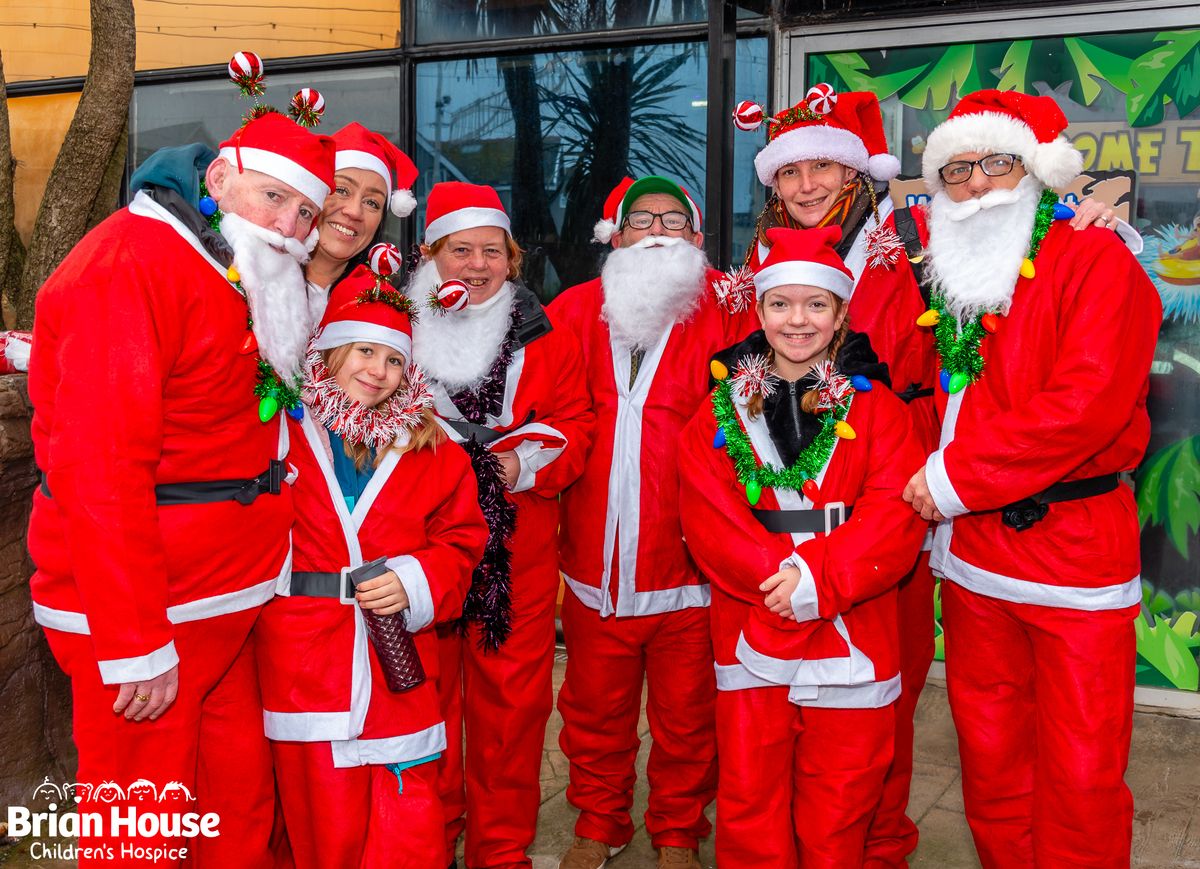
1005 122
364 307
360 148
807 257
620 202
825 125
277 146
454 206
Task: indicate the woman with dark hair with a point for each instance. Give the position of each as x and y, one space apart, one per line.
373 177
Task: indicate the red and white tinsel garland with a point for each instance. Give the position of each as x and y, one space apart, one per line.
735 290
753 376
832 386
884 247
376 427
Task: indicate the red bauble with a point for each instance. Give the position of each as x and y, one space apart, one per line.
748 116
246 70
811 490
453 295
821 98
990 323
384 259
307 106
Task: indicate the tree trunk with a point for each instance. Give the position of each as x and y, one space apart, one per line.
8 229
79 173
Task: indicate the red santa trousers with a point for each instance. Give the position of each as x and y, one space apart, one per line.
504 700
1042 699
893 835
798 784
358 816
210 740
600 702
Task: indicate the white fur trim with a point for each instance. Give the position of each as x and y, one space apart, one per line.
1053 163
416 586
883 167
310 241
402 203
810 143
350 159
281 168
466 218
342 332
604 230
806 274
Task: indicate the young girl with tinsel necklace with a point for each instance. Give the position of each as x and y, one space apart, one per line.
792 476
388 529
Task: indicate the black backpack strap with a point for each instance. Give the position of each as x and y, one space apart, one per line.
906 228
533 320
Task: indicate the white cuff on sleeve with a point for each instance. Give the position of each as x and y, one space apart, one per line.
1132 238
532 457
416 585
804 598
944 497
141 668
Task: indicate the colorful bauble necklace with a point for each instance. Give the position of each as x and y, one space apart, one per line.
962 363
753 376
271 390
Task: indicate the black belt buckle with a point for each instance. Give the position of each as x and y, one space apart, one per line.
352 576
1023 515
269 482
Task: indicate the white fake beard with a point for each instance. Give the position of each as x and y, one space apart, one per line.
649 287
976 247
457 348
275 290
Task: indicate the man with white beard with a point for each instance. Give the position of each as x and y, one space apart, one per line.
1045 338
636 605
162 522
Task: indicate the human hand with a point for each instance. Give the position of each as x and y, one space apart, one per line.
918 495
779 587
1093 212
384 594
511 466
149 698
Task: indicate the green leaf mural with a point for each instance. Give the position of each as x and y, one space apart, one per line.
852 69
952 75
1167 653
1168 491
1094 65
1169 71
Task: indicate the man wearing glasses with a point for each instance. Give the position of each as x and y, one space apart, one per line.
1045 338
636 607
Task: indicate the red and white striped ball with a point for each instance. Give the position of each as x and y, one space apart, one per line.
748 116
821 98
453 295
384 259
309 99
245 65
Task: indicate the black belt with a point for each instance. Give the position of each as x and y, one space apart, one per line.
914 392
1024 514
340 585
481 433
817 520
269 482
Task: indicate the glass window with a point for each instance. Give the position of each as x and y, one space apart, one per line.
209 111
554 133
749 195
457 20
52 40
1131 99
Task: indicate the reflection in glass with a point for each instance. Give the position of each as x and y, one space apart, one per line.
456 20
554 133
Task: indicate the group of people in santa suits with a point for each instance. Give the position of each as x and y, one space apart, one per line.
305 475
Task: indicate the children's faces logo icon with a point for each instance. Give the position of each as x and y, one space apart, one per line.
139 791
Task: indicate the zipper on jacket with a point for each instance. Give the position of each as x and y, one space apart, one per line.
795 408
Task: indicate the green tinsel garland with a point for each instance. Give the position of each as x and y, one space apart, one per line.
959 352
808 464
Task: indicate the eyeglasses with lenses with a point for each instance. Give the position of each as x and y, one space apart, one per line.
672 220
992 165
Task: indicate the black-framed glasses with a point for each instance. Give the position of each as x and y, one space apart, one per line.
672 220
992 165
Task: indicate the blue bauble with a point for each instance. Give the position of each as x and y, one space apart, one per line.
944 378
861 383
208 206
297 412
1063 212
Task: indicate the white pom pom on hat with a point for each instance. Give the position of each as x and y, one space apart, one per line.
402 203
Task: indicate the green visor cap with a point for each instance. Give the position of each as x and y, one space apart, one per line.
656 184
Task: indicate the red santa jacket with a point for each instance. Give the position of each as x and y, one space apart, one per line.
623 512
321 680
547 420
884 304
137 379
843 650
1062 397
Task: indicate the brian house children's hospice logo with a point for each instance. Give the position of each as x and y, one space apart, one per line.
112 822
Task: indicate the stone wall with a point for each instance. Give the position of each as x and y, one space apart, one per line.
35 697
